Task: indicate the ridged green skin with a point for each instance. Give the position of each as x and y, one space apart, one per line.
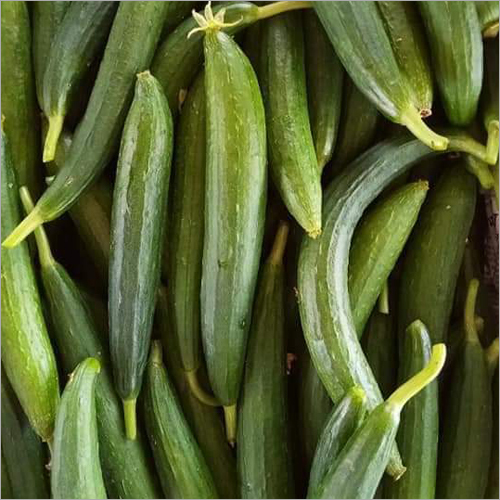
419 428
173 443
406 33
434 253
373 257
46 18
18 94
344 419
27 355
184 242
489 97
176 13
76 470
204 420
487 12
7 491
324 88
292 158
456 47
137 232
80 37
23 456
264 450
236 183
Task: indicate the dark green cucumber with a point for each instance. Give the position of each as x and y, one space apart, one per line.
137 232
7 491
46 18
131 43
372 257
359 467
406 33
324 88
23 455
264 454
456 47
487 12
464 448
344 419
418 431
27 355
18 94
357 33
434 253
492 488
489 99
79 38
176 13
75 467
173 443
236 183
292 157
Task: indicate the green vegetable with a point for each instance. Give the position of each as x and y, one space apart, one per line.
487 12
489 99
492 488
176 13
5 480
137 234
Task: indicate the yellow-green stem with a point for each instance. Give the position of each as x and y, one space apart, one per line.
198 391
55 128
129 413
491 356
470 311
491 31
276 8
279 245
481 170
412 120
383 299
230 418
492 143
24 229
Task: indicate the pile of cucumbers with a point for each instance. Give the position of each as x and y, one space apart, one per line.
249 250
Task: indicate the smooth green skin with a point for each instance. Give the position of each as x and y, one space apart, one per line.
129 50
174 445
456 48
176 13
75 467
324 88
236 184
489 97
184 242
18 95
23 455
78 41
27 355
377 244
292 157
204 420
137 232
406 33
487 12
492 488
343 421
264 449
434 253
7 491
419 427
46 18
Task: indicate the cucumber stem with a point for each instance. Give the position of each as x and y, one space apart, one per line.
491 356
156 353
230 418
471 334
466 144
198 392
55 128
492 142
42 242
129 413
279 245
423 378
491 31
24 229
276 8
481 171
412 120
383 299
496 182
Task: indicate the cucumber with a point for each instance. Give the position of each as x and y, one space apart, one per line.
369 448
264 454
324 88
27 356
292 158
137 233
456 47
487 12
406 33
79 38
176 13
489 99
131 43
418 431
236 183
18 94
173 443
344 419
357 33
23 457
434 253
492 488
75 470
7 491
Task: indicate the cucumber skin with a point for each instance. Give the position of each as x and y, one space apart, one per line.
18 95
131 43
27 354
292 157
487 12
236 181
75 470
434 253
137 232
7 491
176 13
456 48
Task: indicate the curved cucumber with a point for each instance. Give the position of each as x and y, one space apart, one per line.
137 233
487 12
76 470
